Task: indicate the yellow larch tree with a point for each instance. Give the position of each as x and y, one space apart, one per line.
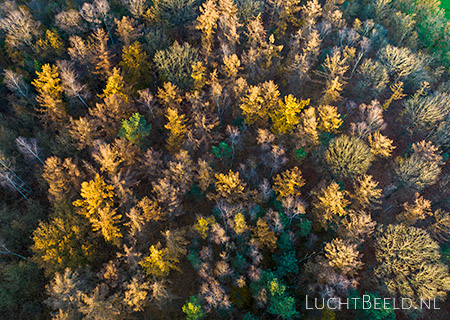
330 119
48 86
289 183
97 206
287 115
176 124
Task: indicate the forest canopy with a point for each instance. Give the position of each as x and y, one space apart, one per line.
224 159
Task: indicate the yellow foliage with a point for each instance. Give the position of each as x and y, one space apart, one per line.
203 224
158 263
176 126
380 145
286 116
115 86
397 94
330 119
199 75
289 183
230 186
330 203
240 226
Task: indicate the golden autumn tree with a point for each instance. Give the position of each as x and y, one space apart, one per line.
258 102
229 187
289 183
380 145
48 86
159 262
97 206
330 204
115 86
287 115
136 65
62 242
176 124
207 24
330 119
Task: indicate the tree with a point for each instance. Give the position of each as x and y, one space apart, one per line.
194 309
63 242
48 85
366 192
65 293
419 210
29 149
136 65
62 177
127 30
70 84
20 27
207 23
158 263
98 305
426 116
409 264
306 133
419 170
286 116
115 86
264 236
98 47
15 82
177 130
380 145
342 256
330 204
258 102
97 206
348 156
135 129
229 187
330 119
288 183
175 64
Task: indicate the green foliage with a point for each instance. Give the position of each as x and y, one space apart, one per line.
135 129
21 290
193 309
279 302
223 151
286 263
367 310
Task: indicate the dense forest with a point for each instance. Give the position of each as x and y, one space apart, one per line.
224 159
